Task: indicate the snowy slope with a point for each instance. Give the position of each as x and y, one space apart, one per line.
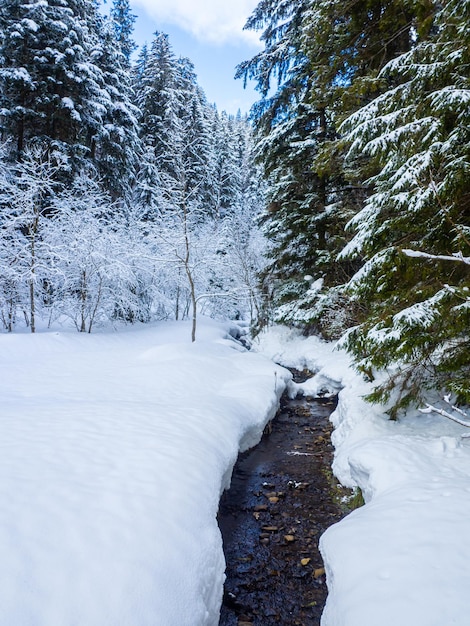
114 450
404 558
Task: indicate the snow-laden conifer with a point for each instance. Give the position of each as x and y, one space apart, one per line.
415 224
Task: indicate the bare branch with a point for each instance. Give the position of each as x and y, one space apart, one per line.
432 409
458 257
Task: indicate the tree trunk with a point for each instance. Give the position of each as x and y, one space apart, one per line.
32 295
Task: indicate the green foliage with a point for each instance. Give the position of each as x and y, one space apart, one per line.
366 144
418 134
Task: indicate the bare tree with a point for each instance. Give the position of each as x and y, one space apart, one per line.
26 191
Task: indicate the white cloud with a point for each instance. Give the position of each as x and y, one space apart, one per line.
214 21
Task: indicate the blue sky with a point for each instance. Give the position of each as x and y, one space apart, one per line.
210 33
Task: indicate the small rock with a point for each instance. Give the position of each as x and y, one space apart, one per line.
305 561
273 499
245 559
270 529
319 572
261 507
289 538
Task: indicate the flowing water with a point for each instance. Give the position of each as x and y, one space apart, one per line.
280 501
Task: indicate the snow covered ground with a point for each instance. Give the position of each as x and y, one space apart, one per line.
404 558
114 449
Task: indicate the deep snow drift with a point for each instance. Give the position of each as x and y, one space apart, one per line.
404 558
114 450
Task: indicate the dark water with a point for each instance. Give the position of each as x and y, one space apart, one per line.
279 503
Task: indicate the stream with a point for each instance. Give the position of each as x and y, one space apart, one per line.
282 498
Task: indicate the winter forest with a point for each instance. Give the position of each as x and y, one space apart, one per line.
143 232
124 194
341 206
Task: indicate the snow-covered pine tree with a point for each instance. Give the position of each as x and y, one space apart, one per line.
325 56
197 142
414 229
227 165
63 81
283 120
123 26
304 218
138 69
49 82
118 146
158 97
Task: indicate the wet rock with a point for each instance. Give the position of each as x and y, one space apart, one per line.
261 507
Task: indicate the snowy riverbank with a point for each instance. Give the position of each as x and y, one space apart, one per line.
404 557
114 450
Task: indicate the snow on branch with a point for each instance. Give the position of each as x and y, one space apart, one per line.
463 422
458 256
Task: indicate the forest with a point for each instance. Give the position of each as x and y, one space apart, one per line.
124 195
341 206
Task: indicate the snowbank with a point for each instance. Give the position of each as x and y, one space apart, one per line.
404 557
114 450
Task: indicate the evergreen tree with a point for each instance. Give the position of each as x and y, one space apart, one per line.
174 127
158 100
63 82
138 69
118 149
227 166
123 26
196 142
304 218
49 82
414 229
325 57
